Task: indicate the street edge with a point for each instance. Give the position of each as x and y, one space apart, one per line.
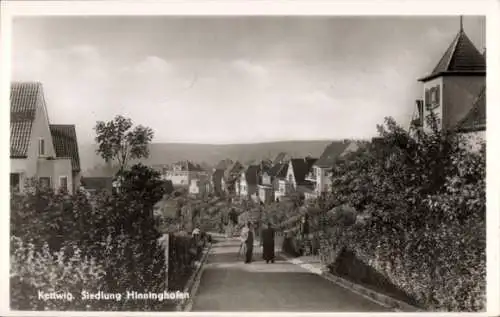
193 283
380 299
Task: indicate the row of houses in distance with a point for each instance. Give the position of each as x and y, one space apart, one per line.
455 90
268 181
186 174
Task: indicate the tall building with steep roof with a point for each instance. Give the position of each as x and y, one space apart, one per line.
451 89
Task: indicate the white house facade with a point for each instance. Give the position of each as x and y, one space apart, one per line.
38 150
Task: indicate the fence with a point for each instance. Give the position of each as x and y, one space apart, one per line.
181 254
295 244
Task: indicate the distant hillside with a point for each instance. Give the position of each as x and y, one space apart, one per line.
209 154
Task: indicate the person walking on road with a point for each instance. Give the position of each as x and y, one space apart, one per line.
243 239
249 244
268 243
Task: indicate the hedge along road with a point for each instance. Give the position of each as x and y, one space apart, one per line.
227 284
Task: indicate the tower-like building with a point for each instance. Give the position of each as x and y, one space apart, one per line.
455 89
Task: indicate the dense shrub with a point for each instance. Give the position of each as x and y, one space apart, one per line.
419 215
183 254
117 231
34 270
424 205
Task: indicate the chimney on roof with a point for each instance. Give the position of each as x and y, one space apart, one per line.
461 23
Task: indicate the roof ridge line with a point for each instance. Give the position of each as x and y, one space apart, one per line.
455 43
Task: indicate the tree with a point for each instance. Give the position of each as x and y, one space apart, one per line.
119 141
143 183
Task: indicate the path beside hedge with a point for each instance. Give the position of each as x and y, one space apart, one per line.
228 284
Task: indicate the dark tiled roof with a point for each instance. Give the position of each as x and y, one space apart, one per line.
475 120
461 57
235 168
252 174
218 174
353 146
65 143
331 152
24 99
195 167
300 169
189 166
275 169
282 171
310 162
224 164
97 183
279 158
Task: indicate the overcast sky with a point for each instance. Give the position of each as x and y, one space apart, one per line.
234 80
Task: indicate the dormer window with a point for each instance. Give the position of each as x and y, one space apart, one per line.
41 147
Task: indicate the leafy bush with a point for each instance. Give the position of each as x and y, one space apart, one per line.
423 200
118 232
419 215
183 253
35 270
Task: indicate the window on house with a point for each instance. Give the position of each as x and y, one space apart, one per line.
45 182
290 178
63 182
432 97
420 109
15 181
41 147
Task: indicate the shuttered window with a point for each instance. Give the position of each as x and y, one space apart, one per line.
63 182
427 99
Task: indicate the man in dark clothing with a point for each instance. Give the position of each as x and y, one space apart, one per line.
268 243
249 244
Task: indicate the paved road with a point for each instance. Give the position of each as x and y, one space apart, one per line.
227 284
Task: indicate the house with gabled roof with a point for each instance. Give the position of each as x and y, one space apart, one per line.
223 164
269 182
231 175
38 150
320 173
181 173
216 180
295 179
281 158
454 88
200 185
246 185
279 181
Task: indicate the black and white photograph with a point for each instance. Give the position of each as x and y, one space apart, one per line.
247 163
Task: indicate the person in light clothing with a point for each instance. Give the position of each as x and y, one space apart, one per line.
243 239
